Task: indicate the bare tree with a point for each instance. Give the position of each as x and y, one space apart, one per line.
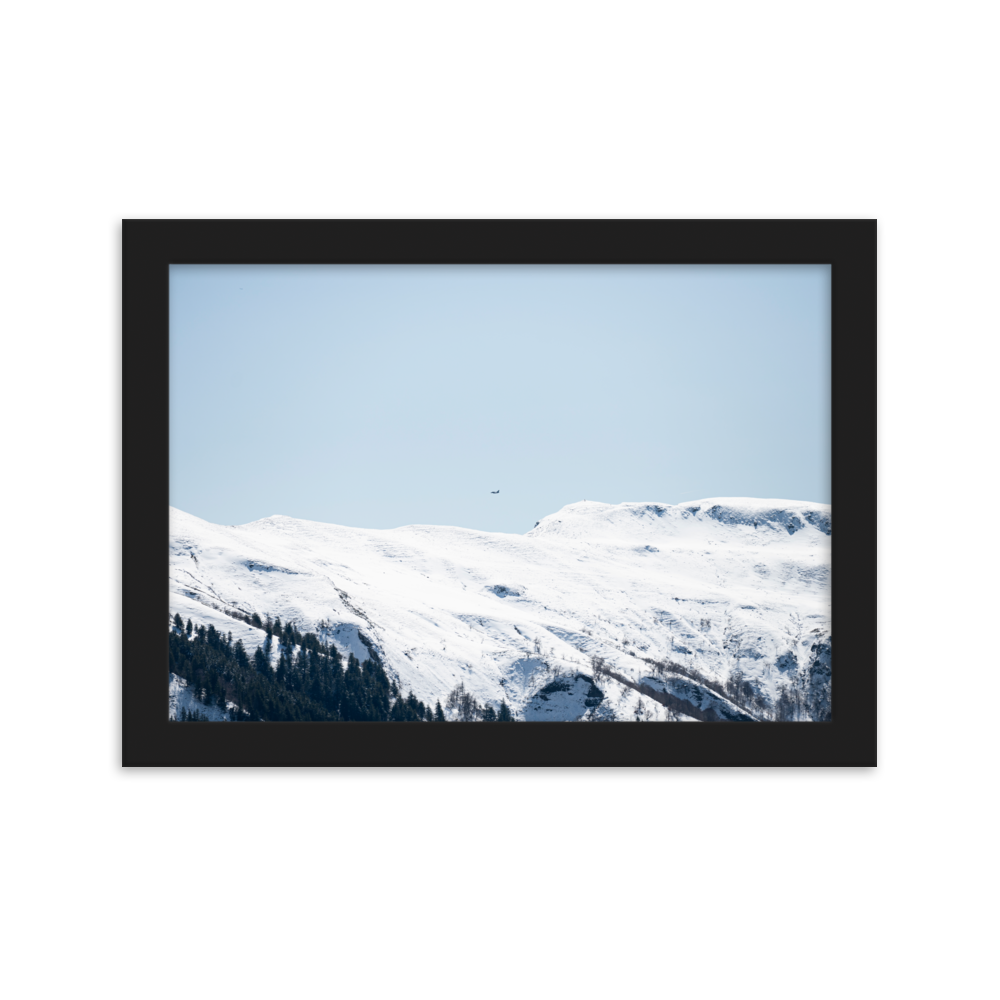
455 696
465 703
598 665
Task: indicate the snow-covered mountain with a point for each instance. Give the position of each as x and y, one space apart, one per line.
713 609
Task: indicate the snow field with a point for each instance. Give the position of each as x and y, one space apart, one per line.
711 584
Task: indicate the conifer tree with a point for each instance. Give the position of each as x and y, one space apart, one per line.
351 702
260 661
336 669
438 713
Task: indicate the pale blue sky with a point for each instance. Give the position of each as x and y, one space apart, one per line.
378 396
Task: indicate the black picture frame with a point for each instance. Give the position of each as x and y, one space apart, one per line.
150 246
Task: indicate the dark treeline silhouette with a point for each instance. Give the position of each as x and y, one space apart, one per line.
188 716
309 682
286 633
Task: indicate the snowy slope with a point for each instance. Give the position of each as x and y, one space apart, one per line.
711 584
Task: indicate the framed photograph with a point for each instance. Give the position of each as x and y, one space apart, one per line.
604 480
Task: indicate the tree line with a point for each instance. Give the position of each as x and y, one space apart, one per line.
308 683
803 697
468 709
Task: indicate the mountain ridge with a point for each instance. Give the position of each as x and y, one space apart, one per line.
720 586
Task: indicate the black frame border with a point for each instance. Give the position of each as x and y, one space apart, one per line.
150 246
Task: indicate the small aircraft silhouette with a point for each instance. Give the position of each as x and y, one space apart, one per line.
494 491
